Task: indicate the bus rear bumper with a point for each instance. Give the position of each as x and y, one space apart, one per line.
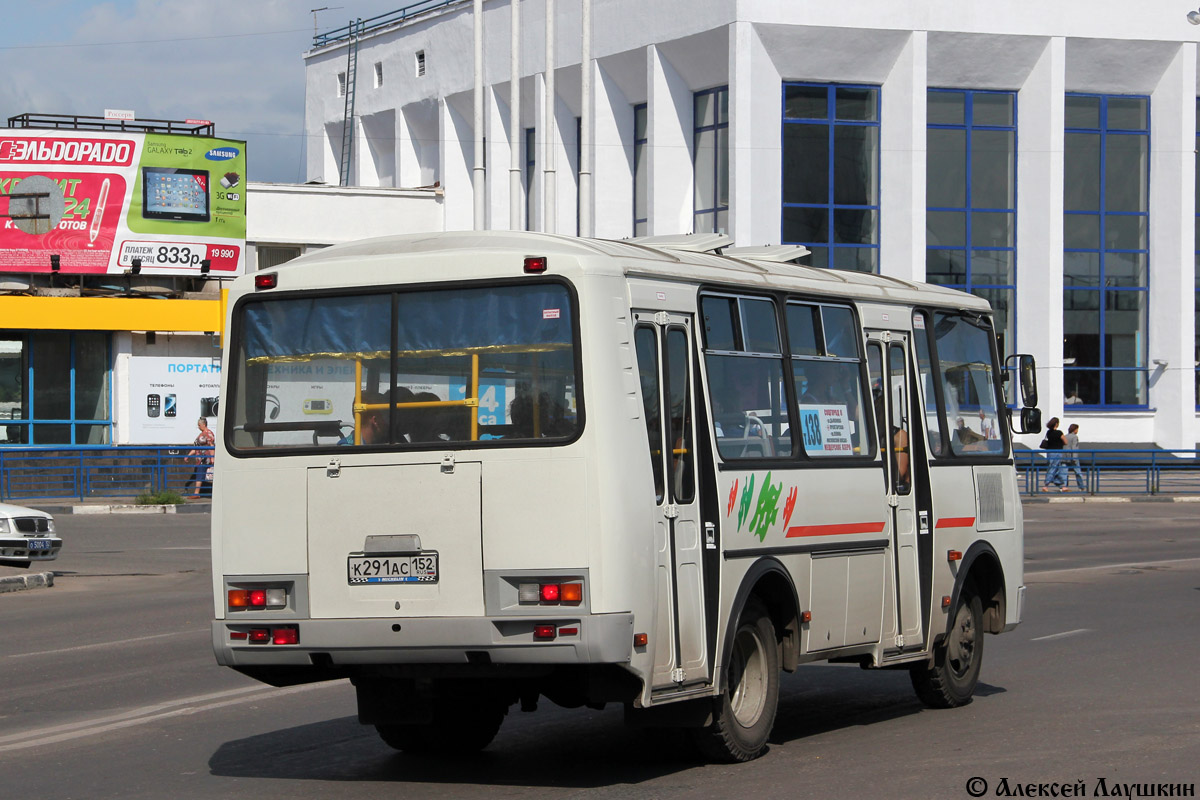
586 639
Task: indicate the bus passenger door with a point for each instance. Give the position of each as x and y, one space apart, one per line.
664 352
891 383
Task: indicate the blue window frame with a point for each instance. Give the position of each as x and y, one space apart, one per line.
710 160
1106 218
641 197
831 173
55 387
971 192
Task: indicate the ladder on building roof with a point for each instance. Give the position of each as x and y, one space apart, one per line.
356 29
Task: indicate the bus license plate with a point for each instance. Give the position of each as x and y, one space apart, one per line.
392 569
39 544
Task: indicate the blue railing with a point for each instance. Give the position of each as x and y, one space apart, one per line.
98 472
1118 471
94 471
344 33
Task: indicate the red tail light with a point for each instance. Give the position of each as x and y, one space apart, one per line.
258 598
550 592
544 632
260 635
535 264
266 280
287 636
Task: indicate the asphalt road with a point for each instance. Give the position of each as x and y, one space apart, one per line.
108 689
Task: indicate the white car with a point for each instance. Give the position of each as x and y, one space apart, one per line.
26 536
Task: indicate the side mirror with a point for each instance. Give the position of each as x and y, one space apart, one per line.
1031 420
1026 370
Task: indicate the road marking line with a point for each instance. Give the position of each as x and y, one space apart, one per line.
147 715
1062 635
106 644
1111 566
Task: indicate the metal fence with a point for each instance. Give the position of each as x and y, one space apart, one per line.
87 472
99 472
1118 471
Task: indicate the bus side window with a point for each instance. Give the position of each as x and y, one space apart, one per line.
646 345
679 386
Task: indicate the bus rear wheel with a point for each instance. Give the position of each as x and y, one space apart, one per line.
950 681
459 725
745 712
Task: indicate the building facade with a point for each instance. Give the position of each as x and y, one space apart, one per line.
1040 155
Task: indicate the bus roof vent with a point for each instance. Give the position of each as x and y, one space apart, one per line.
691 242
777 253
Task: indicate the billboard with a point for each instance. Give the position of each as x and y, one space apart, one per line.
99 200
166 396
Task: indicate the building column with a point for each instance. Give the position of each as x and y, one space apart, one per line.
755 125
456 141
1171 334
669 157
1039 304
612 163
902 163
499 153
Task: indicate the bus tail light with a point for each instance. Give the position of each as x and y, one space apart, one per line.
954 555
535 265
544 632
240 599
266 280
552 594
287 635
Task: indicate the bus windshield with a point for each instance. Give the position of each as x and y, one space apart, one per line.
476 365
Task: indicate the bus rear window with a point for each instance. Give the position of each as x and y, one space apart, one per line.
477 365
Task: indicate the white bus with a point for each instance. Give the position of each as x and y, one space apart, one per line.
469 470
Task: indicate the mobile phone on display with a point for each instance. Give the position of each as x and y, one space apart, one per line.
153 402
169 407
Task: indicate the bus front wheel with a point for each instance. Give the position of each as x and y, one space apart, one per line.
950 680
745 712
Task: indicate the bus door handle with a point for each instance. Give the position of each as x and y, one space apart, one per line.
710 536
923 522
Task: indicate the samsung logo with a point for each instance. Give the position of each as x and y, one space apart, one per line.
221 153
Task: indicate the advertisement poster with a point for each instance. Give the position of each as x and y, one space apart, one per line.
99 200
167 395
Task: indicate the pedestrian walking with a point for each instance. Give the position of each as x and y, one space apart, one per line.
1072 457
1053 444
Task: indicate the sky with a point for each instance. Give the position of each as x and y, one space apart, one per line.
238 63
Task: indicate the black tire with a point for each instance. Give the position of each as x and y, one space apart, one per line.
461 726
745 712
950 681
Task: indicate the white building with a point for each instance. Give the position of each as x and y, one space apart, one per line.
1040 154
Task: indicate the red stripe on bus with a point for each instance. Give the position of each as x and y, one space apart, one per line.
839 529
955 522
